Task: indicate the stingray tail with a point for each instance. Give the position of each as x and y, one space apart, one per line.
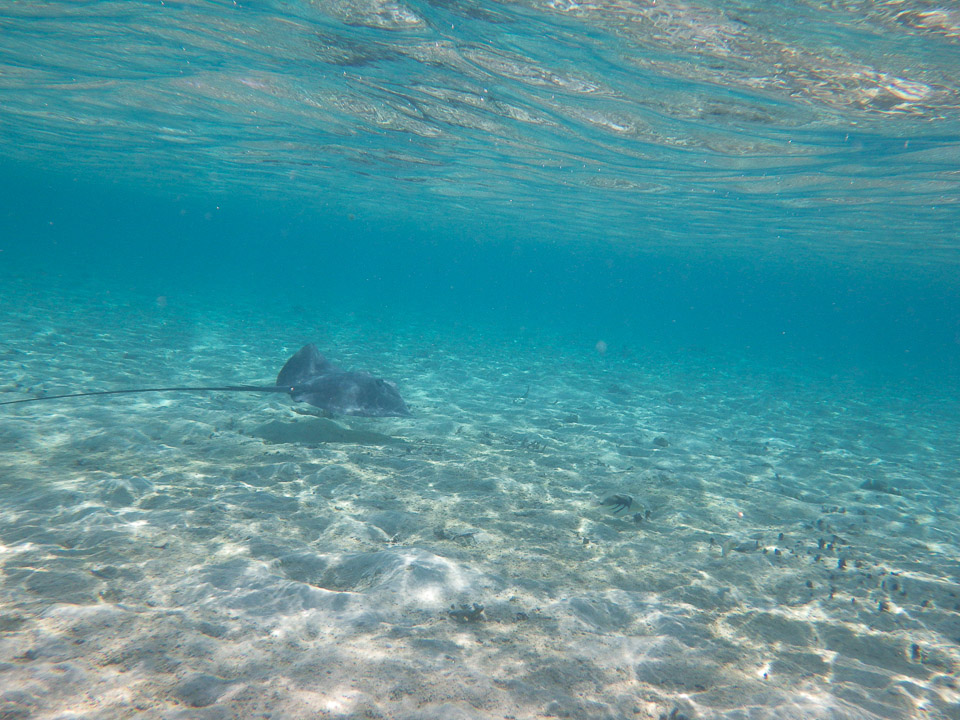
132 391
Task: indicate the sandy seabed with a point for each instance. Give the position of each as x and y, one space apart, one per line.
790 548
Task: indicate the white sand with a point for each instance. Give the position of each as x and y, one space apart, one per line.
160 559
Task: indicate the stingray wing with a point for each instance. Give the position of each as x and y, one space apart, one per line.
352 393
304 367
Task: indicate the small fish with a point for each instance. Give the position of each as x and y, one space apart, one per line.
619 502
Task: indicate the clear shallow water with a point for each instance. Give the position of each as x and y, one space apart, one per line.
704 256
217 555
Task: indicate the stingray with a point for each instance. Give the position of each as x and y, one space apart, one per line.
307 377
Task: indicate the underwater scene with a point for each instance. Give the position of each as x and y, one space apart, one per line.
480 359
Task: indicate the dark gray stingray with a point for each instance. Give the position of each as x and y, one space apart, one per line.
307 377
313 379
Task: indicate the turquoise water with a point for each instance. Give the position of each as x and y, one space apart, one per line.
782 177
701 254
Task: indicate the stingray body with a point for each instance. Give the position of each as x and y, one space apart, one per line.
307 377
313 379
